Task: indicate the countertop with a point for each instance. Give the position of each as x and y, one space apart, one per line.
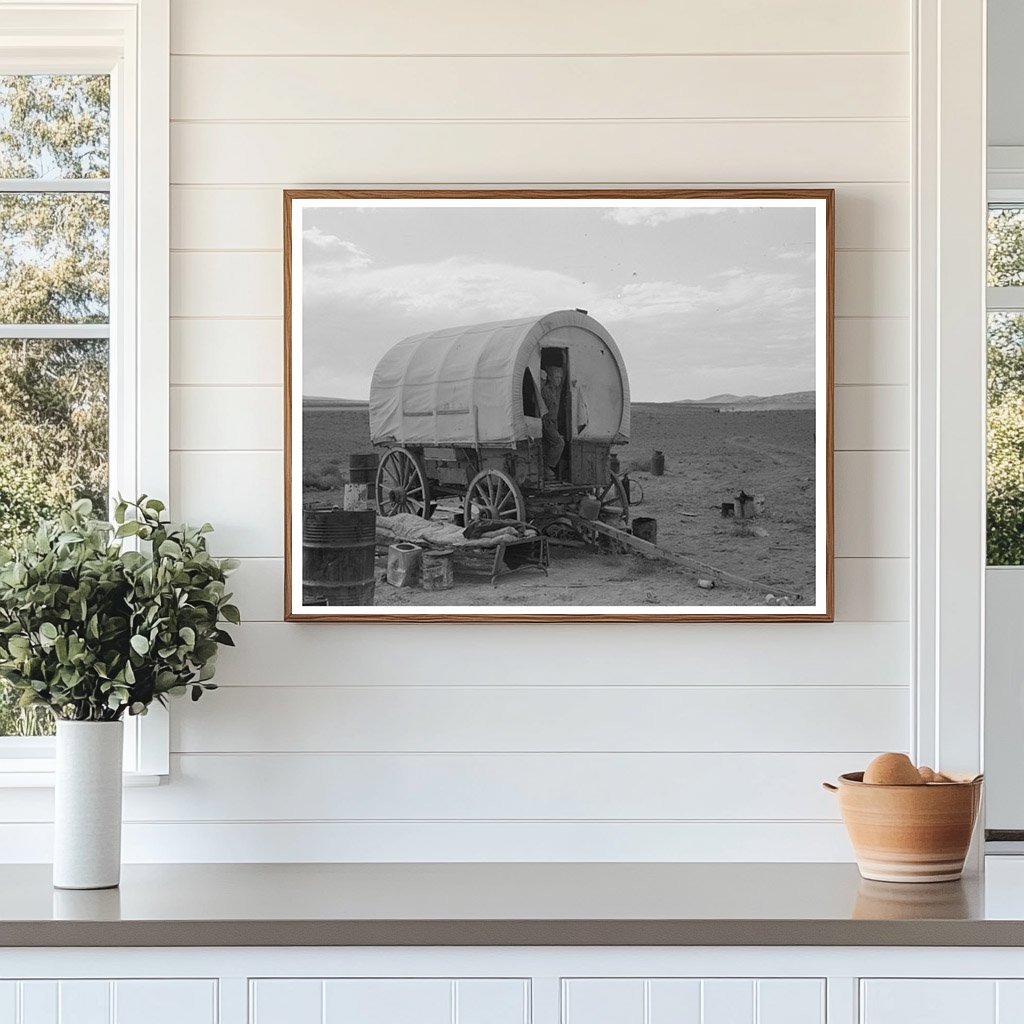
560 904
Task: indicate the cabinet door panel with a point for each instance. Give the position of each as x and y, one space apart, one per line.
693 1001
165 1002
286 1001
675 1001
8 1002
791 1001
388 1001
491 1001
84 1002
930 1001
728 1001
603 1001
38 1002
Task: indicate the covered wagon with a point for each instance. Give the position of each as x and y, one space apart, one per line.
460 414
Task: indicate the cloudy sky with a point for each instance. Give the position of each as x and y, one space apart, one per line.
700 301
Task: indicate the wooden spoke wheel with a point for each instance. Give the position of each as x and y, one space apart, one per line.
614 503
493 494
402 485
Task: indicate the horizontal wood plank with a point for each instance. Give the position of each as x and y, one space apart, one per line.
871 350
872 418
227 352
872 589
728 152
872 500
227 418
534 26
431 654
460 842
248 787
707 718
538 88
241 493
868 216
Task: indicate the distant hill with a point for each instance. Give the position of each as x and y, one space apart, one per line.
322 402
754 403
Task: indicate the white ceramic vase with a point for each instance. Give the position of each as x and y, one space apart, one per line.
87 806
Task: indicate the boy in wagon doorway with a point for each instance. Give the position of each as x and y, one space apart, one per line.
554 443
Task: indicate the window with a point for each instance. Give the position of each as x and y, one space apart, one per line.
54 308
84 126
1005 478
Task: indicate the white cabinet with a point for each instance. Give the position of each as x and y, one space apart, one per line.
141 1001
693 1001
389 1001
942 1001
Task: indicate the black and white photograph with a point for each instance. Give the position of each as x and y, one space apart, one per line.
510 405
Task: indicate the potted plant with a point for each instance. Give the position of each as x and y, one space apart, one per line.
93 630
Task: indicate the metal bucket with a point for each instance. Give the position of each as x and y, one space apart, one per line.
658 464
337 556
438 569
646 529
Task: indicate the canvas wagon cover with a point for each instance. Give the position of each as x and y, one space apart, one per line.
464 385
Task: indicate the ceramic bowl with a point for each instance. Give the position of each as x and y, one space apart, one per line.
909 833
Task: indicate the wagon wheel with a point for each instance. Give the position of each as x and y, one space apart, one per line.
614 503
402 485
493 494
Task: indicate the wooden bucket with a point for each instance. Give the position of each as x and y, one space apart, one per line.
338 556
909 833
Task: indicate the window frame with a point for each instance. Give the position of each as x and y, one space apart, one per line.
130 41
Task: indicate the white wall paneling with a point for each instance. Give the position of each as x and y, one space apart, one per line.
731 152
869 215
438 718
733 26
494 742
281 88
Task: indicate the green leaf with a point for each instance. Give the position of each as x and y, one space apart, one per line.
188 634
140 644
231 613
170 549
48 631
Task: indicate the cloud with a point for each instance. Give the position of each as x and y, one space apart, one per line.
650 216
323 244
460 288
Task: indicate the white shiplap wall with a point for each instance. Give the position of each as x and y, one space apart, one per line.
690 741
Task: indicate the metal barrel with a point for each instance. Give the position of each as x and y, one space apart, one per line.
337 556
658 463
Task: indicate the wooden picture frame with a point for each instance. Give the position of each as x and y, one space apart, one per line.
434 461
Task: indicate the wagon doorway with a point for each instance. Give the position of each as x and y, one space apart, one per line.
552 361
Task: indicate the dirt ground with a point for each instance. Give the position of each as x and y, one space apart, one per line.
709 457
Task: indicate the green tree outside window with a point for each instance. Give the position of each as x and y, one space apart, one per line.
54 271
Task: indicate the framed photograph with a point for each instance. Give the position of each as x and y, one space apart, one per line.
558 405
